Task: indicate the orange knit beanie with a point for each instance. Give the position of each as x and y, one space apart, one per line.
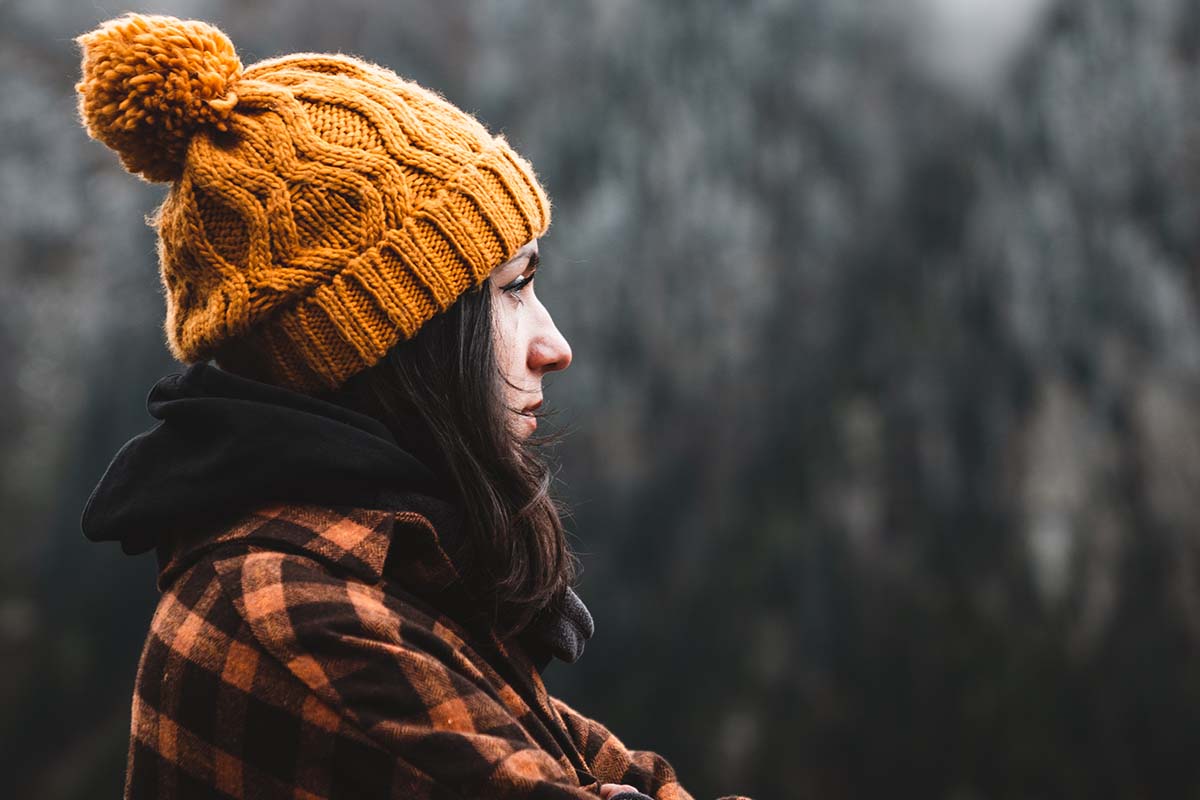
321 208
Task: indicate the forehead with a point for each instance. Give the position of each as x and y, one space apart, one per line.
528 250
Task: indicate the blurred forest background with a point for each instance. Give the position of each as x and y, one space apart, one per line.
886 393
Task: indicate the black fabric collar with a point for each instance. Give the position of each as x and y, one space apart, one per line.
226 443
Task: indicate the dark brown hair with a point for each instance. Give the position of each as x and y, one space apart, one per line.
441 396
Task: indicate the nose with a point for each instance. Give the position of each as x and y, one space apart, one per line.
548 351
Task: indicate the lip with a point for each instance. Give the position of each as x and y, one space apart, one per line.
530 419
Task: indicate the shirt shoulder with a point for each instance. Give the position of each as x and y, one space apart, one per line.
212 708
292 603
261 669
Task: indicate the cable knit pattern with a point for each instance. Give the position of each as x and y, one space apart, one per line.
321 208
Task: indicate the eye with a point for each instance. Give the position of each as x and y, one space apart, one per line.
520 283
516 288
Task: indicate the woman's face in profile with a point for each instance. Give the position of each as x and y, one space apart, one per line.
528 345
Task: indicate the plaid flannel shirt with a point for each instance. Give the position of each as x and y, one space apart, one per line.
297 654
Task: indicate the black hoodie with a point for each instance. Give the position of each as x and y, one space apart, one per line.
227 444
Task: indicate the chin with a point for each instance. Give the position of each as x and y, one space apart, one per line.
523 426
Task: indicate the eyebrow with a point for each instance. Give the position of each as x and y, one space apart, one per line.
534 260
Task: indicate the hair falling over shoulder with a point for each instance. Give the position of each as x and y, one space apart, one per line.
439 393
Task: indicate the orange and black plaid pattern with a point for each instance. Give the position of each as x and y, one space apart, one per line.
291 657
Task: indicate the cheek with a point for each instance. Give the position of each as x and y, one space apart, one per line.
508 334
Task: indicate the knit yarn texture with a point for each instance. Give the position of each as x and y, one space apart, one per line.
321 208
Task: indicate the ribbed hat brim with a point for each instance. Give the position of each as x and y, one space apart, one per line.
386 293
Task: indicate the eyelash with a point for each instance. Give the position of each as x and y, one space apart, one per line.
520 283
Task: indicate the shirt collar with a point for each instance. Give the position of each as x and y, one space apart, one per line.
400 542
363 543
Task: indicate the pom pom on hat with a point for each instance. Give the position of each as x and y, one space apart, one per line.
149 82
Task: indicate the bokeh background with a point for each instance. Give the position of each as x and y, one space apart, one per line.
886 451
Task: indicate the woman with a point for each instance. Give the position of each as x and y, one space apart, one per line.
362 571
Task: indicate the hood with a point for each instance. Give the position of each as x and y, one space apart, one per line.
227 445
